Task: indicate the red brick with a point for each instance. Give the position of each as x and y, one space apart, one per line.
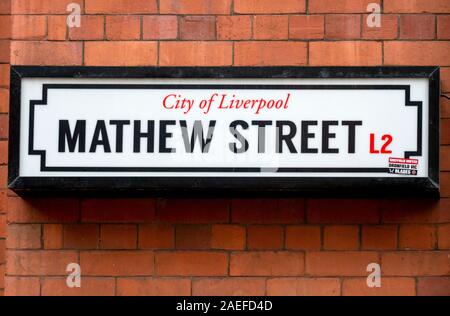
57 27
121 6
123 27
342 6
118 210
445 157
83 236
89 287
4 75
160 27
194 7
387 30
2 251
417 53
341 237
343 26
20 286
343 211
345 53
92 28
411 211
24 236
264 53
228 287
445 79
416 6
270 26
118 237
443 27
117 263
269 6
303 287
4 103
38 262
156 236
434 286
304 237
5 7
193 237
445 132
389 287
444 236
46 53
2 276
4 51
445 184
421 237
228 237
5 26
306 27
380 237
198 28
267 211
195 211
3 152
40 210
416 263
195 54
126 53
2 225
445 112
342 263
29 27
414 26
264 263
265 237
52 236
4 124
191 263
237 27
153 287
42 6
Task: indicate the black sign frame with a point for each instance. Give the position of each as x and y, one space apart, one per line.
237 186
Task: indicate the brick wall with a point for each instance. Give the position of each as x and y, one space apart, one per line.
225 246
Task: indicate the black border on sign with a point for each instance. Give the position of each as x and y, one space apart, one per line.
323 186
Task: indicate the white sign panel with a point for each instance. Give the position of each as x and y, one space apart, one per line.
235 127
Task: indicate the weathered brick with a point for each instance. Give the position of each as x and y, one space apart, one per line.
342 6
29 27
126 53
433 286
197 28
389 287
237 27
153 287
90 286
118 210
267 211
39 262
422 53
339 263
269 6
84 236
228 287
22 286
42 6
123 27
24 236
265 53
421 237
445 79
387 30
306 26
121 6
443 27
52 236
416 6
270 27
117 263
91 28
195 54
46 53
4 51
194 7
444 236
345 53
118 237
417 26
343 237
5 26
265 263
342 26
57 28
414 263
228 237
4 75
191 263
160 27
156 236
303 287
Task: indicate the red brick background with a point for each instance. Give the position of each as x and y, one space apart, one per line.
227 246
